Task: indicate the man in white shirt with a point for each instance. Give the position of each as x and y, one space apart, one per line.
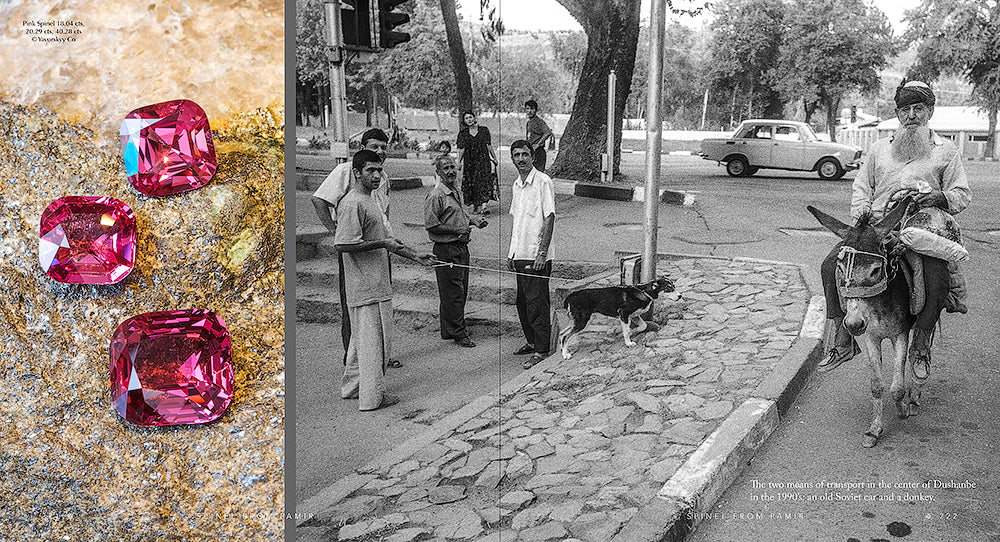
326 198
534 210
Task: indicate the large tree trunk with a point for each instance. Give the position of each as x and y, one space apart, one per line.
612 28
463 81
991 137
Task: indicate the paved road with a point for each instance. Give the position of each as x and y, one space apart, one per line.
954 439
765 217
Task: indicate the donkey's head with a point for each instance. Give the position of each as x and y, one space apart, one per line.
862 265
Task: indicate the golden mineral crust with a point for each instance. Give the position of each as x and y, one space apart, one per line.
72 469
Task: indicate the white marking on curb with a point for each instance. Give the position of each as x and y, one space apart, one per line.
702 479
812 324
565 187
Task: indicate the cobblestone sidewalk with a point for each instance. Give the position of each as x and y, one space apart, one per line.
577 449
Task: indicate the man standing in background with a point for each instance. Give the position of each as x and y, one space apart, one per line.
537 132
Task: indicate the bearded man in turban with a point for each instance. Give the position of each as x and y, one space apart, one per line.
915 158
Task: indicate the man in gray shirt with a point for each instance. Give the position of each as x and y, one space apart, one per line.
448 226
365 243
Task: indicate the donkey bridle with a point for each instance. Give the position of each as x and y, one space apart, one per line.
847 266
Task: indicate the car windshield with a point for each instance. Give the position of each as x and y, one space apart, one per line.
807 133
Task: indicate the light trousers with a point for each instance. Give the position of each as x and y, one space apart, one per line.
367 354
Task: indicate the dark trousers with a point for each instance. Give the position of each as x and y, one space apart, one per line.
828 274
533 304
453 288
345 315
538 158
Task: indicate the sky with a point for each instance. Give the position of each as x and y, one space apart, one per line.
549 15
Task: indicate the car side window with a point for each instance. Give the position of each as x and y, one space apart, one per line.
786 133
757 132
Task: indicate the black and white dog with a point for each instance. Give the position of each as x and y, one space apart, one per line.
625 302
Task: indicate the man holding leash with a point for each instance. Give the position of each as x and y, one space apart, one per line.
914 157
364 243
326 198
533 206
448 226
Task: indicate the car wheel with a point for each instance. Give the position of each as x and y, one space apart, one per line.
829 169
738 167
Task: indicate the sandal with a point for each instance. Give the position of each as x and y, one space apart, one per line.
535 359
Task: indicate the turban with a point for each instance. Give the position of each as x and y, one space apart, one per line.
914 92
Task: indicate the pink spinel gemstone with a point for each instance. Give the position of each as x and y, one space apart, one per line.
168 148
171 368
87 240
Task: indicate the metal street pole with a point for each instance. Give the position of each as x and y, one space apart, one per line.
338 80
654 133
608 171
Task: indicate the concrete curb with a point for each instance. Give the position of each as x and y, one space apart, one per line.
685 499
597 191
620 193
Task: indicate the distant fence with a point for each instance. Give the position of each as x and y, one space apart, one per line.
863 138
970 144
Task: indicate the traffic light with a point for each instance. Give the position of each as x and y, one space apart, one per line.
388 20
356 23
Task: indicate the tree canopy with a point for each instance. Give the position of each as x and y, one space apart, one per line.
960 37
830 48
747 35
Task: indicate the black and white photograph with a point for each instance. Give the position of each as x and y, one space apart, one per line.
646 271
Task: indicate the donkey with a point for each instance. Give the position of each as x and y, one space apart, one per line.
883 312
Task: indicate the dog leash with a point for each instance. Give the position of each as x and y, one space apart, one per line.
505 271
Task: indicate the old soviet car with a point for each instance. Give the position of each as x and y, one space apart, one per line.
780 144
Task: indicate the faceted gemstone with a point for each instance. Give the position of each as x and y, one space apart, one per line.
168 148
87 240
171 368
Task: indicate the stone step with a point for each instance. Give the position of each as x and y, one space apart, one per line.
415 280
307 239
322 305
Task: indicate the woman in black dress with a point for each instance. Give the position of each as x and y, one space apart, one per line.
476 156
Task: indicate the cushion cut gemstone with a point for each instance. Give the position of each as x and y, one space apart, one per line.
171 368
168 148
87 240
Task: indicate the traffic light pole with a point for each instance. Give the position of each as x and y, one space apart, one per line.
338 80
